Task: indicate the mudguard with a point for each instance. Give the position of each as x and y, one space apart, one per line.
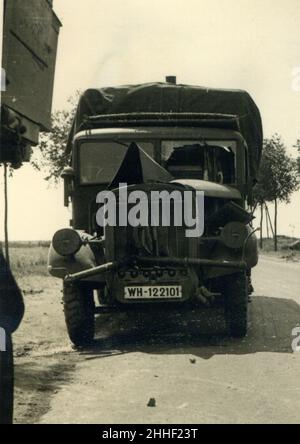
221 252
59 266
251 250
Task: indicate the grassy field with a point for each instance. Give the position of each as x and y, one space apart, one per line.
283 243
29 258
283 250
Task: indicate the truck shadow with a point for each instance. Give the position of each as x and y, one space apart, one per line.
202 334
35 384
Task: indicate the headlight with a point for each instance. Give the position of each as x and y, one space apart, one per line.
66 242
234 235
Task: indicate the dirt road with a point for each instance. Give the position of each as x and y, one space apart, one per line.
194 377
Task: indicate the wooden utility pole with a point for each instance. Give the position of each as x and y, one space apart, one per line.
270 221
261 225
267 222
275 226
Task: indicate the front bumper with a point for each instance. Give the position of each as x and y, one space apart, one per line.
156 261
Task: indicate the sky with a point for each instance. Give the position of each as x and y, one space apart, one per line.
246 44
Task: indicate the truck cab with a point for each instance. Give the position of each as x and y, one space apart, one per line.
210 155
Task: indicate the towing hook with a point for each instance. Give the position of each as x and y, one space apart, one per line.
205 296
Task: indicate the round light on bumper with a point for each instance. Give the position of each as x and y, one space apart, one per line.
66 242
234 235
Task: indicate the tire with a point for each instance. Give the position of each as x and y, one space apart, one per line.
236 304
6 383
79 309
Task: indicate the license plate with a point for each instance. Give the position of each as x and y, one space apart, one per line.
154 292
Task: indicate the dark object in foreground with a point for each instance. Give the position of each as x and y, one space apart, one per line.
151 402
11 313
30 34
11 299
30 37
7 382
159 140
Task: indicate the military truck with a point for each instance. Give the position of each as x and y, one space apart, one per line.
161 137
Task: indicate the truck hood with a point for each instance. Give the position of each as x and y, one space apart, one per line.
211 189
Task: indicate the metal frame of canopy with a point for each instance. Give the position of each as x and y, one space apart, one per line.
145 119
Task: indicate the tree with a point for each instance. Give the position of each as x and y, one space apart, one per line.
278 177
51 156
298 148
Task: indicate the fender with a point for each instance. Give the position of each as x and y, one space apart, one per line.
220 251
251 250
59 266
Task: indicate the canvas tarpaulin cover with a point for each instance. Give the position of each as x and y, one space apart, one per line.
170 98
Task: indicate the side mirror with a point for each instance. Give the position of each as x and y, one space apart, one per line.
68 175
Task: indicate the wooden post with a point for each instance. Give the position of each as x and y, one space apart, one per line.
270 222
275 226
267 222
261 225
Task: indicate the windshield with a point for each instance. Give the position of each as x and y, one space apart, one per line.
100 161
205 160
213 161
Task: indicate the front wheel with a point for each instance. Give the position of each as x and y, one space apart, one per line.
236 304
79 309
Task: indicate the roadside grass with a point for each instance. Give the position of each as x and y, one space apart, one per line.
29 259
283 248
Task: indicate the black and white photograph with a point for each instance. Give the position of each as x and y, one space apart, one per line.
150 215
